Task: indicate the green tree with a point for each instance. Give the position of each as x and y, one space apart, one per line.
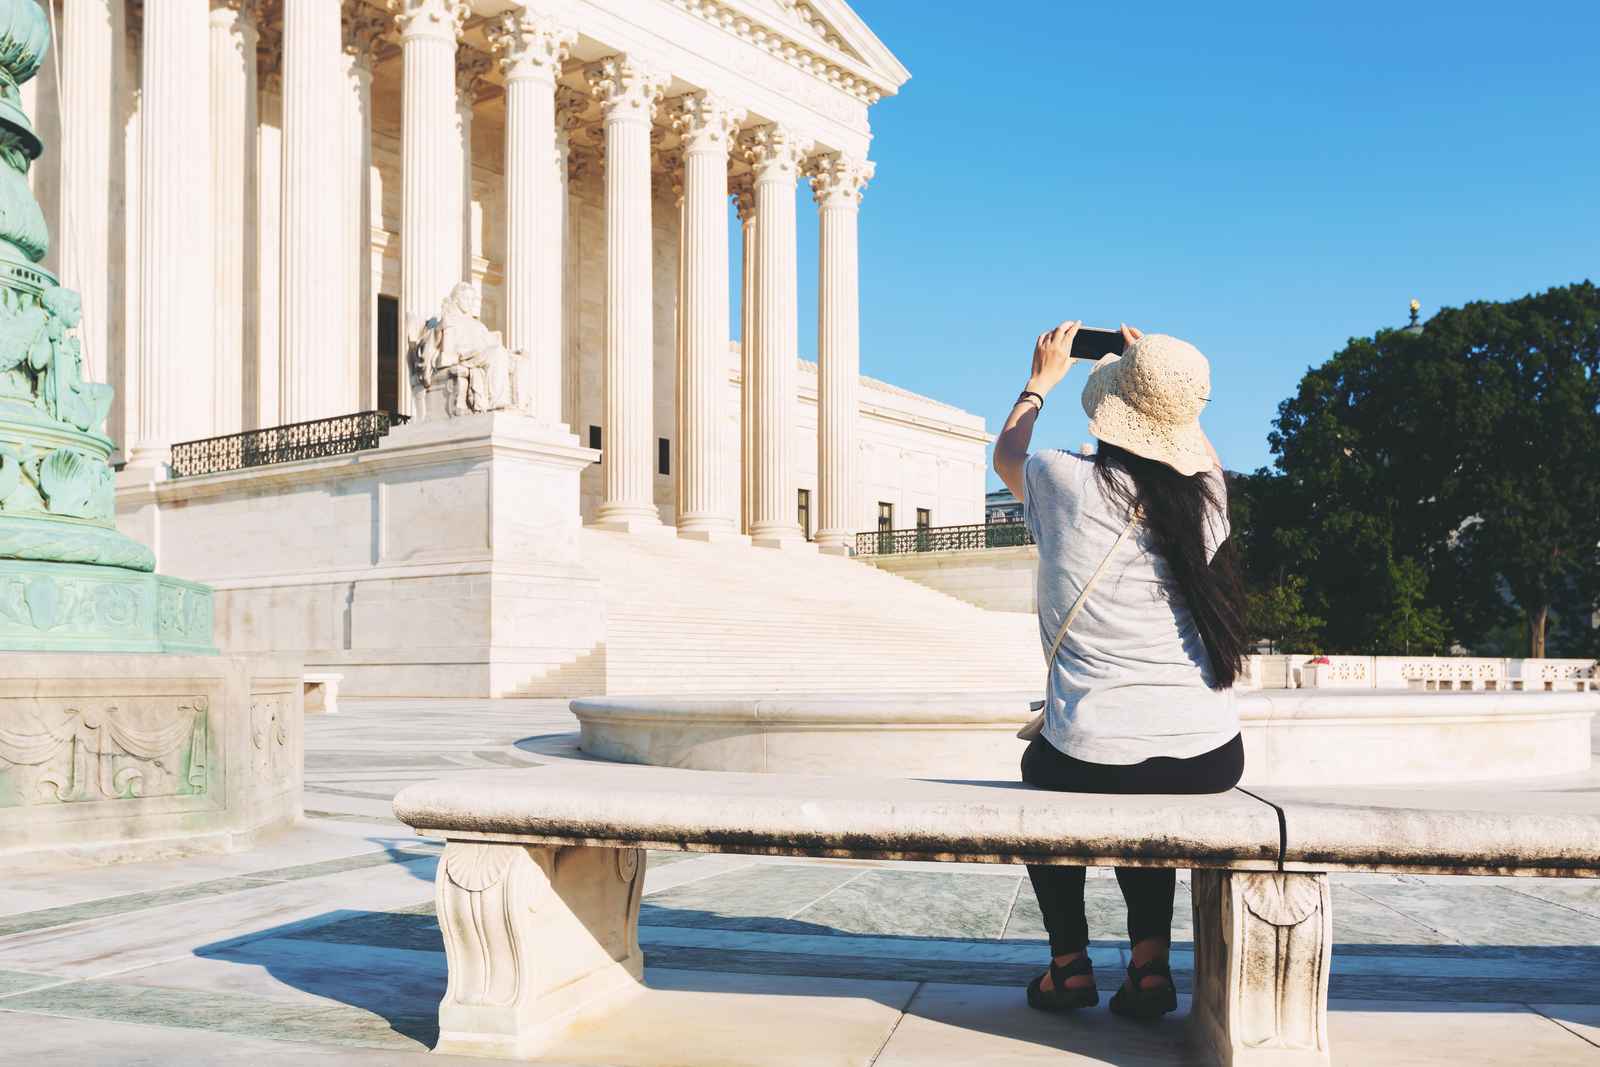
1278 616
1470 448
1532 491
1410 626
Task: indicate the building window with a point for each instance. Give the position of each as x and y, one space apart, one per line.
663 456
924 518
594 437
804 514
389 354
885 517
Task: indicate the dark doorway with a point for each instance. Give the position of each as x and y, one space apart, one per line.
388 353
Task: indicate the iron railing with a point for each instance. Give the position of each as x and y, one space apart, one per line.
337 436
943 538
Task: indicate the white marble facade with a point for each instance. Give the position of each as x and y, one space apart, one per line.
574 159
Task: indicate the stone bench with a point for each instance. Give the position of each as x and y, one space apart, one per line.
539 886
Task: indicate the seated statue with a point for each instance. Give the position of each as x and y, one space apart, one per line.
457 356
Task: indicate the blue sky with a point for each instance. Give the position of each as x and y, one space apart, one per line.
1266 181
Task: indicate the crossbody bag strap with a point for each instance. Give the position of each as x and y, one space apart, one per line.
1083 594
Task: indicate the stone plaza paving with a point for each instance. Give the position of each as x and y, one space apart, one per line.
320 946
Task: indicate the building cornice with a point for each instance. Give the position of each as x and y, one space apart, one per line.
866 81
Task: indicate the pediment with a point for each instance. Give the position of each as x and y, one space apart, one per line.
832 29
803 19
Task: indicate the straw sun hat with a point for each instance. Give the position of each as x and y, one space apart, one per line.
1149 399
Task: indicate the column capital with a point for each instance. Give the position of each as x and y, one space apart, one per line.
529 44
837 180
364 27
472 70
572 109
625 87
672 167
774 152
742 190
237 18
430 18
231 11
269 58
705 122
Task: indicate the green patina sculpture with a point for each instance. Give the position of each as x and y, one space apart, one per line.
69 581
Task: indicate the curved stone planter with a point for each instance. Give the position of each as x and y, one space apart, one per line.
1292 737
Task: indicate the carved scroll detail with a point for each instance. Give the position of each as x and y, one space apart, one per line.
269 737
485 893
1263 943
532 935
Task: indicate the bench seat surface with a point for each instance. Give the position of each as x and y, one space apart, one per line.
887 818
1551 829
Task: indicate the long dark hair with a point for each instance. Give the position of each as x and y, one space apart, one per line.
1174 509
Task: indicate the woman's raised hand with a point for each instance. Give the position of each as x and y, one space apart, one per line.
1130 335
1052 357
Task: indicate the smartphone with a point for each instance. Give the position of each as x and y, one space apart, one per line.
1093 343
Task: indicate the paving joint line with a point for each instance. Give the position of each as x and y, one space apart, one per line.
807 907
1552 903
1562 1025
1409 918
699 878
1005 927
258 880
900 1018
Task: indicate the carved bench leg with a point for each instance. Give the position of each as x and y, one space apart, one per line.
1262 946
534 936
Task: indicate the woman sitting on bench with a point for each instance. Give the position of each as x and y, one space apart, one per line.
1142 622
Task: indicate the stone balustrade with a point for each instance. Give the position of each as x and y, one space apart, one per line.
1429 673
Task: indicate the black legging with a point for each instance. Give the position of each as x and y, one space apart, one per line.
1147 890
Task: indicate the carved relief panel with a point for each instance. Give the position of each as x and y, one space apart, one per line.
63 751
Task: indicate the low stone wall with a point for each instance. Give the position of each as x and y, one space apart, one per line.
999 579
443 563
105 758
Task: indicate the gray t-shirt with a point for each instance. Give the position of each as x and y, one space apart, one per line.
1131 679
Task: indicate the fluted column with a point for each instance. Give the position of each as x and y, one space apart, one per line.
89 43
707 125
312 383
175 372
744 199
775 153
265 271
471 69
628 94
571 105
362 28
531 50
233 143
836 184
429 216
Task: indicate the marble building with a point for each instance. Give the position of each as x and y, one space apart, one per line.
316 175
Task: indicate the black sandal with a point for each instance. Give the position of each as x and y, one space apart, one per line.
1132 1001
1059 997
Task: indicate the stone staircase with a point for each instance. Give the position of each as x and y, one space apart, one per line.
688 617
